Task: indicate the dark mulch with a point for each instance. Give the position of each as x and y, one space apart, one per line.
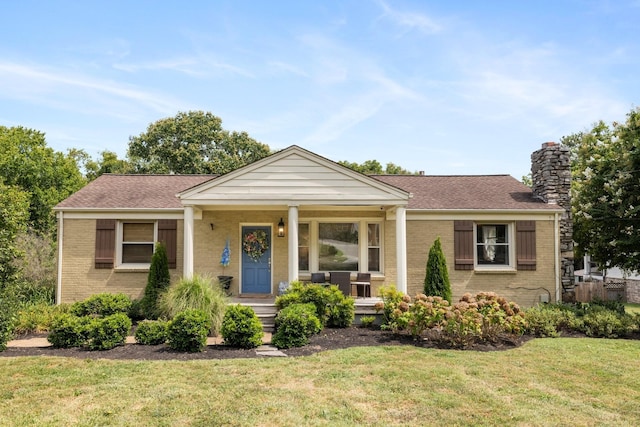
328 339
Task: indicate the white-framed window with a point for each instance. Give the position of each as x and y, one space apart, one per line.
339 245
493 245
136 242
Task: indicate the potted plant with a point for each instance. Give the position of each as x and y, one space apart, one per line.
225 259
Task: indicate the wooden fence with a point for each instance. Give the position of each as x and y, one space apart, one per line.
609 291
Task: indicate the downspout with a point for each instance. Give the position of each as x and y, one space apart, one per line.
556 249
60 242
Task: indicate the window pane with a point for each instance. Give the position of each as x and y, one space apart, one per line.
374 234
137 254
137 232
303 234
338 246
493 254
495 233
374 259
303 247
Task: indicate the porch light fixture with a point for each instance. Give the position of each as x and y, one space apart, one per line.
281 228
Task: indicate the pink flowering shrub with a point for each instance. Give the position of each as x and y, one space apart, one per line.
483 317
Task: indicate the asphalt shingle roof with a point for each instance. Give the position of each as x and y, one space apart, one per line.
133 192
465 192
429 192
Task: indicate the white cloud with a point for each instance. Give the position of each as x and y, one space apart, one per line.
409 20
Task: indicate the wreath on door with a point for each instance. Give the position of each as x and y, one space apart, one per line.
255 244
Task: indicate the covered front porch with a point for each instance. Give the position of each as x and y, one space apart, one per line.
290 215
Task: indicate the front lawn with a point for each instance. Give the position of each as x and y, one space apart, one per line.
632 308
562 381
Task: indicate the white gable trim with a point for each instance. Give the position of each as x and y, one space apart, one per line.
294 176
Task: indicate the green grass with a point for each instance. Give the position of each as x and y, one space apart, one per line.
632 308
562 381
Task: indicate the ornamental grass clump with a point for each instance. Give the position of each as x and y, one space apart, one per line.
197 293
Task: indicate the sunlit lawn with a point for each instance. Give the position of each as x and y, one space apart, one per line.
632 308
565 381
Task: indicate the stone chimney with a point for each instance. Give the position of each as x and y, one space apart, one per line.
551 182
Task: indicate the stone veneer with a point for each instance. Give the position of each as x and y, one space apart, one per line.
551 182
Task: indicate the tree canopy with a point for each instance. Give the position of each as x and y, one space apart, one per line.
48 176
606 192
373 167
192 142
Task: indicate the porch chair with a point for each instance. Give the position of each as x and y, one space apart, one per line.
362 282
342 279
318 278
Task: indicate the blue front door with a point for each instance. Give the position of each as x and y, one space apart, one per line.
256 259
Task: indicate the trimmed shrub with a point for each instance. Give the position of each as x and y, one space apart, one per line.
158 281
241 327
607 324
332 307
104 304
436 281
188 331
108 332
68 330
135 311
151 332
295 324
197 293
548 320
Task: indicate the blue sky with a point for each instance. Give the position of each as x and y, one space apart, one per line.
445 87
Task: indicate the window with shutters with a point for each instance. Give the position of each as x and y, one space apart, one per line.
137 242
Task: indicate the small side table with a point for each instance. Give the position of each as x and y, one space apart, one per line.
365 286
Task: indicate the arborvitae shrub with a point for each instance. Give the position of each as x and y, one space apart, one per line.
104 304
158 281
241 327
295 324
108 332
151 332
188 331
436 281
68 330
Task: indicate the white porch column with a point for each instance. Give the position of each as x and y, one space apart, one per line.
293 243
401 249
188 242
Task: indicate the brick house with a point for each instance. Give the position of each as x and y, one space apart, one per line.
299 213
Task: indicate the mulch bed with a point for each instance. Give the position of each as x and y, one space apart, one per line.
328 339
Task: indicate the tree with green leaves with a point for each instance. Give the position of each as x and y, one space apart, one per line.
191 143
48 176
436 281
14 212
606 192
373 167
158 281
108 162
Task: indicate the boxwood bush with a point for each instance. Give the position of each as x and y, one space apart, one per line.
107 332
68 330
104 304
241 327
332 307
151 332
188 331
295 324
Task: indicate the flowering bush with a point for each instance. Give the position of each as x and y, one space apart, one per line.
483 317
